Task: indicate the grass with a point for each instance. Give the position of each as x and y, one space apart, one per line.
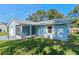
3 33
40 46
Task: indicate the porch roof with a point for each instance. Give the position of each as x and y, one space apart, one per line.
48 22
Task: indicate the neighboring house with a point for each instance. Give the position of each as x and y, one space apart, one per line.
74 30
53 29
3 27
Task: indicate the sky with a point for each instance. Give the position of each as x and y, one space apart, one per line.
21 11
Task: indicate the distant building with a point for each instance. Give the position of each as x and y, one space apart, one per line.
74 30
3 27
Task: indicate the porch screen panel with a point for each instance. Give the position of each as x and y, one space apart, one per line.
18 29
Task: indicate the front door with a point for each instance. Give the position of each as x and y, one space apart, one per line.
49 30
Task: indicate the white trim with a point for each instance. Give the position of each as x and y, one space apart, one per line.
30 30
21 32
11 20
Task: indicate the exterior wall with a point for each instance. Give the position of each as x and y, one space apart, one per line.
25 30
59 32
12 26
50 35
41 31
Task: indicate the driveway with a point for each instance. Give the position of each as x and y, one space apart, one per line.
7 38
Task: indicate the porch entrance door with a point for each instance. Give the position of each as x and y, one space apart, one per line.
51 32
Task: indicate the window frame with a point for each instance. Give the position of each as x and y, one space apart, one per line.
49 29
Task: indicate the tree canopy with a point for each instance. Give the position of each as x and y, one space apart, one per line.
75 11
41 15
53 13
75 14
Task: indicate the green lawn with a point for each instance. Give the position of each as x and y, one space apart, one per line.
40 46
3 33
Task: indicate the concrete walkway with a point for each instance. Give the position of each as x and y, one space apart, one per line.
7 38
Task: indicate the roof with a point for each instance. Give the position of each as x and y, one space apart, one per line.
24 22
47 22
52 22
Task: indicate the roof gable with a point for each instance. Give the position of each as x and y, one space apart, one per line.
11 20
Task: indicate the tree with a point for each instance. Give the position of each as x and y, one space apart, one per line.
39 15
74 11
53 13
74 14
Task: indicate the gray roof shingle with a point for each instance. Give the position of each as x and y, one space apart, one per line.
47 22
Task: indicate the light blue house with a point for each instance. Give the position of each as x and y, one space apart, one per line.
53 29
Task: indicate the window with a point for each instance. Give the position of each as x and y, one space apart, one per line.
49 29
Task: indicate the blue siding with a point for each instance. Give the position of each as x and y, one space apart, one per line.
41 30
61 32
